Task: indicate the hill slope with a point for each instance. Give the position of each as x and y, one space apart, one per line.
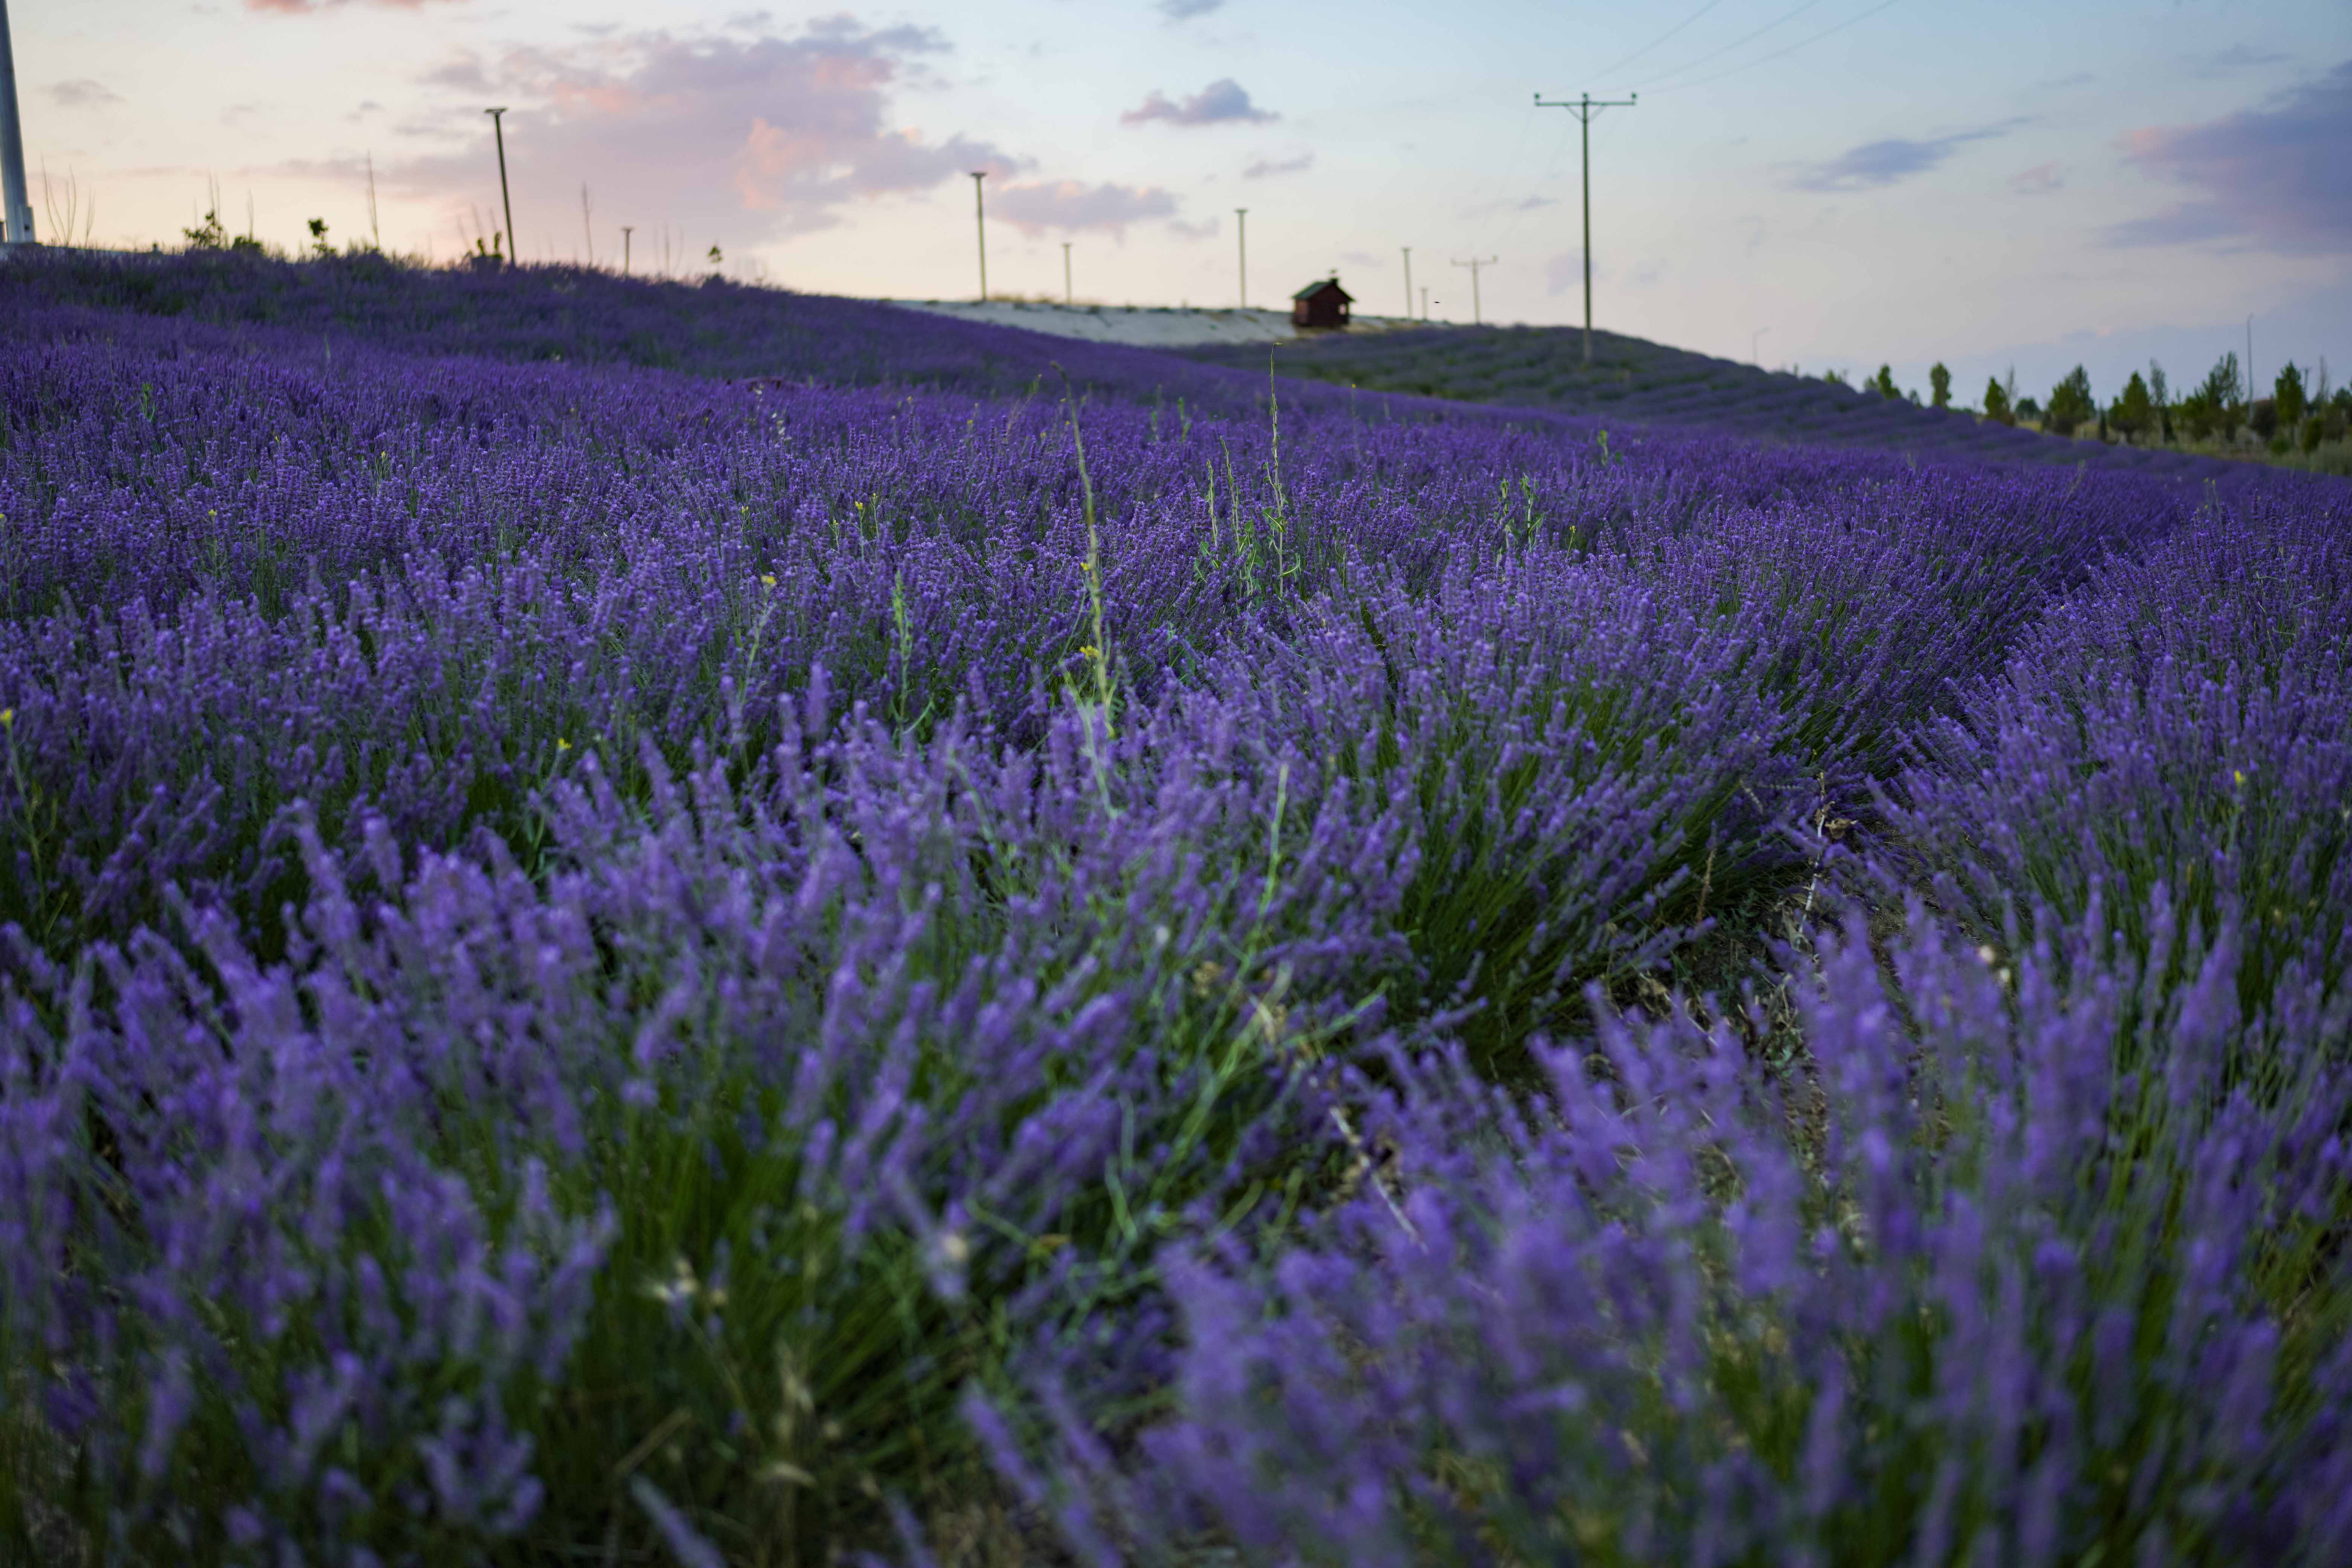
1652 384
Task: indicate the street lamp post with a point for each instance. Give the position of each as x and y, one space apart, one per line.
1241 226
505 202
979 218
16 220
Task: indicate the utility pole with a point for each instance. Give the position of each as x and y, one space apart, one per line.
1241 225
1584 107
1408 282
980 217
1425 302
1473 264
2250 355
626 230
16 220
1067 297
499 128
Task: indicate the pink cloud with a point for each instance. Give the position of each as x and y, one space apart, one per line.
731 137
1072 205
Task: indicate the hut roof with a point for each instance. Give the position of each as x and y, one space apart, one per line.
1319 285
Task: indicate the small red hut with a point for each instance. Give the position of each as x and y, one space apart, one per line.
1321 304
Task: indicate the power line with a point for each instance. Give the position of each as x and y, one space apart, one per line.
1736 43
1661 37
1790 50
1584 107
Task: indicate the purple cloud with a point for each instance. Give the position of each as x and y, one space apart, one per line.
1883 163
2274 178
1221 102
80 93
1072 206
744 138
2036 181
1265 168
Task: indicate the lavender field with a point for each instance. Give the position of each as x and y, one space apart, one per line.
649 924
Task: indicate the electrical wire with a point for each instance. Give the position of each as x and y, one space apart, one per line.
1736 43
1793 48
1654 43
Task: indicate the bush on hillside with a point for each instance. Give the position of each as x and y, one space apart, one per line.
2071 404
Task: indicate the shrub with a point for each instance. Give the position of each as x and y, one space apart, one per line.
2071 404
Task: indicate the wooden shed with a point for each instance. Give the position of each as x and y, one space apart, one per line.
1322 303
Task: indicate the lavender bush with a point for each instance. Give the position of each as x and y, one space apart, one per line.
643 920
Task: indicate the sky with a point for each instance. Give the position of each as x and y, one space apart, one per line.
2004 184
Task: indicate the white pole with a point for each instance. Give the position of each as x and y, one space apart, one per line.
15 199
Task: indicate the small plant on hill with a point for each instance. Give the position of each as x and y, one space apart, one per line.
2134 413
209 235
1997 408
1882 383
1939 385
2289 399
2071 404
2224 396
319 245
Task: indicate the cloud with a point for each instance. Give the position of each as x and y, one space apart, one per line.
2037 181
2271 178
1221 102
2233 59
1072 206
1885 163
1184 10
1264 167
80 93
1208 228
744 138
305 8
1524 204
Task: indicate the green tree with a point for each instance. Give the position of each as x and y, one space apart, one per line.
2160 393
1882 383
2071 404
2196 413
319 245
209 235
1939 384
1997 408
2222 388
2134 411
2290 398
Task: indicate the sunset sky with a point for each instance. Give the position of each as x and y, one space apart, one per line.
1990 184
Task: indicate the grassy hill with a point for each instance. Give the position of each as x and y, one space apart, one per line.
1652 384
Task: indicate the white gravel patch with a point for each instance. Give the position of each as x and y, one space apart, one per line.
1142 326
